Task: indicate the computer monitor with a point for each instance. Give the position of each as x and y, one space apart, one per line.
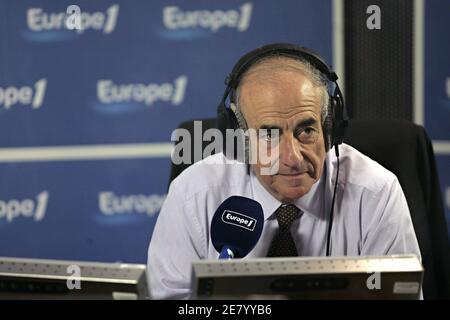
54 279
387 277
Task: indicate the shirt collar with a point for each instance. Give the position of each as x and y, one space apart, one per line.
311 203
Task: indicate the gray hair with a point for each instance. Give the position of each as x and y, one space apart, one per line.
300 65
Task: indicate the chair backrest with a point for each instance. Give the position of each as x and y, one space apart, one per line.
405 149
206 124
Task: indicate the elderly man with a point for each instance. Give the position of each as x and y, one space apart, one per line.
287 93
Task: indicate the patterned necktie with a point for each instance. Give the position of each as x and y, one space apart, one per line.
283 244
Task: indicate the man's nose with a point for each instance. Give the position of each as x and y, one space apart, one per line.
289 152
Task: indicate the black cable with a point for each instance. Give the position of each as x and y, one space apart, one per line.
332 203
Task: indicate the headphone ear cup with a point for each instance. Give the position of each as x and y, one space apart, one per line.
339 122
226 119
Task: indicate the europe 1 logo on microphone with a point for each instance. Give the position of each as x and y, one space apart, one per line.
239 220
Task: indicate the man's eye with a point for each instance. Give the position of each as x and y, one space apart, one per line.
309 131
307 135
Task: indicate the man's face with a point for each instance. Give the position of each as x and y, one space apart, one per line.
287 100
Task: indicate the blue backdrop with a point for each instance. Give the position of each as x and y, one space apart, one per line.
135 71
437 89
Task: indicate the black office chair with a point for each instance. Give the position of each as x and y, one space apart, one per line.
405 149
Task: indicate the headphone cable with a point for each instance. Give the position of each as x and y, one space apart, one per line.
332 204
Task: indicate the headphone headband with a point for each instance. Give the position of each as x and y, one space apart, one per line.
245 62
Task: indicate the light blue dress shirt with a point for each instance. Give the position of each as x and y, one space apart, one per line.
371 216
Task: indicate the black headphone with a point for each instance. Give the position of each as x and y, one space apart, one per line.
334 125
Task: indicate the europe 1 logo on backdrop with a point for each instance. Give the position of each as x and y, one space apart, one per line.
25 95
117 98
45 26
181 23
120 209
12 209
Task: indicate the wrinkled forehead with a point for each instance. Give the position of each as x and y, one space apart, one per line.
279 77
280 95
279 85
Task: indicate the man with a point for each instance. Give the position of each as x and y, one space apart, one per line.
370 216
